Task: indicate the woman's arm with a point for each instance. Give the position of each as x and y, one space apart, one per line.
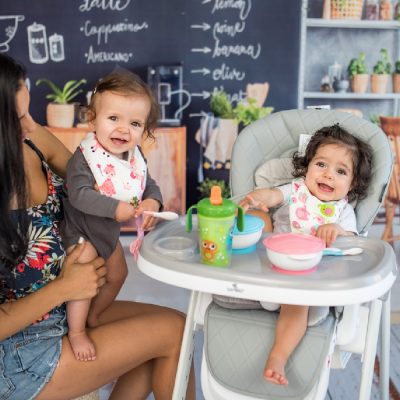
75 282
55 153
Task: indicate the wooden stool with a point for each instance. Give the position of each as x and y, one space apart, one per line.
391 126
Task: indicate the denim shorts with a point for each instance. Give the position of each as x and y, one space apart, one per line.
28 358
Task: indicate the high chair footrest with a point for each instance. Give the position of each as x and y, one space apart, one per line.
237 344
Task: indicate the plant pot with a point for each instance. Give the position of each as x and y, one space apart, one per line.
379 83
359 83
60 115
396 83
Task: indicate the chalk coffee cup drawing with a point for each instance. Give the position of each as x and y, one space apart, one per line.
8 28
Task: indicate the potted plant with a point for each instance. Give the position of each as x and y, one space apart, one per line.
61 112
381 71
358 75
247 112
218 132
396 77
220 105
207 184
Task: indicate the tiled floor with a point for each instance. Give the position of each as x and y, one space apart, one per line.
141 288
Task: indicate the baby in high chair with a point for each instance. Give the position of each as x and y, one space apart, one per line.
334 171
121 111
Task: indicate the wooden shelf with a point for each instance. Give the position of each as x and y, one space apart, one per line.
351 24
351 95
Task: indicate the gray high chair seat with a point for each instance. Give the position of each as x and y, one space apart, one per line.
235 363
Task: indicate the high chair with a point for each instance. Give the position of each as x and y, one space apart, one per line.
236 341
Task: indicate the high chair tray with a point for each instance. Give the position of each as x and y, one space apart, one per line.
337 280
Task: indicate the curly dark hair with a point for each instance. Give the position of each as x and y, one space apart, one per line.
127 83
361 155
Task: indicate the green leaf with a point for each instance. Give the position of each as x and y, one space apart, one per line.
207 184
220 105
357 66
383 65
65 95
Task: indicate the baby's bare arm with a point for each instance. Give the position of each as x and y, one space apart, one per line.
262 199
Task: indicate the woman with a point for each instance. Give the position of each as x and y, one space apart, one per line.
137 343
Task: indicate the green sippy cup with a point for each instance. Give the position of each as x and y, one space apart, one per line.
216 217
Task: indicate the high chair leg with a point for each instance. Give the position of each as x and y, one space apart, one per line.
370 349
384 370
186 355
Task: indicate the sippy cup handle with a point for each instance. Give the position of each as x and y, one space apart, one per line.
189 219
240 219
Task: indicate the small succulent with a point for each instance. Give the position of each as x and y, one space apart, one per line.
357 66
383 65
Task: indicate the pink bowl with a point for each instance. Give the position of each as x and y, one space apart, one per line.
294 252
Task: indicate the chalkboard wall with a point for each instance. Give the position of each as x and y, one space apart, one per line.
221 44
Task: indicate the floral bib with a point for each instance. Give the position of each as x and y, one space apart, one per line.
307 212
115 177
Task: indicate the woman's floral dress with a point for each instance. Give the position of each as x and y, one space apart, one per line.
45 254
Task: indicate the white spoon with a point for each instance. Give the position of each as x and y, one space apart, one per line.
334 251
167 215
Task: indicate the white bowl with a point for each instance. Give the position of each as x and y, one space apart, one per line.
245 242
293 252
294 262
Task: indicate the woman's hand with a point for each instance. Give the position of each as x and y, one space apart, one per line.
147 205
329 232
81 280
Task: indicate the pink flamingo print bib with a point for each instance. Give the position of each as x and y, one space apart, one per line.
307 212
115 177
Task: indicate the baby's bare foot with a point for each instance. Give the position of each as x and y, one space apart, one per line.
274 370
82 346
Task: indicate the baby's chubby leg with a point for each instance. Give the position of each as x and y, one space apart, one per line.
77 312
117 271
290 329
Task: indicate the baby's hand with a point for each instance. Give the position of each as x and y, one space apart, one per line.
329 232
124 211
253 200
147 205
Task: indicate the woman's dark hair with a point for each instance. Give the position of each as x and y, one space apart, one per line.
127 83
361 155
13 226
